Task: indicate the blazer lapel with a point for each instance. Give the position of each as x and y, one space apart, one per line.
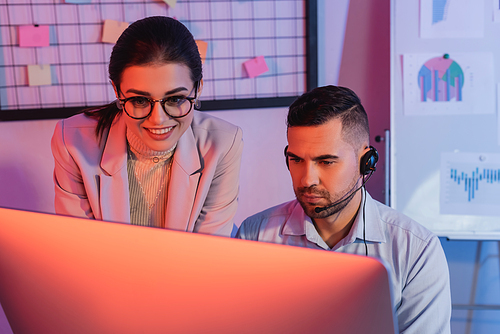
184 178
114 192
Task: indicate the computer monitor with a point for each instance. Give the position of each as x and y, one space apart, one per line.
69 275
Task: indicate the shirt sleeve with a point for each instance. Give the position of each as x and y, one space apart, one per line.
426 300
70 195
220 206
248 231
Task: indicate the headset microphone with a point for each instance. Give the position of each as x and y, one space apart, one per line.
351 195
367 166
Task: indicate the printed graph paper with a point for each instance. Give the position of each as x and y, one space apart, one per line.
236 31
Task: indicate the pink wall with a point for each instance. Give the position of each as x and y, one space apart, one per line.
365 68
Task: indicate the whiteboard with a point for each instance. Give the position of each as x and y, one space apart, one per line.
75 61
445 152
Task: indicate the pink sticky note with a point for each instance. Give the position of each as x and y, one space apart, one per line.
256 66
112 30
30 36
202 49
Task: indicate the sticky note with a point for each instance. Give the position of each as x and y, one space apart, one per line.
39 75
111 30
256 66
32 35
202 49
171 3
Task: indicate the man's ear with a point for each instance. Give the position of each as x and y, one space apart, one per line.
364 150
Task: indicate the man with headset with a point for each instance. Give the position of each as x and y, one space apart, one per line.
330 160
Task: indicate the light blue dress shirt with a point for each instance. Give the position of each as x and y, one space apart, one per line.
416 261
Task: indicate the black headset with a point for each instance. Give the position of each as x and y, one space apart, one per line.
367 163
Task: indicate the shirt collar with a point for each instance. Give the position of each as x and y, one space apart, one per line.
299 224
296 222
374 229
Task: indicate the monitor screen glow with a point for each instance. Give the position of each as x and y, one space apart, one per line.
61 274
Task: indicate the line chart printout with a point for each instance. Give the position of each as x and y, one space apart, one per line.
470 184
461 83
451 19
72 70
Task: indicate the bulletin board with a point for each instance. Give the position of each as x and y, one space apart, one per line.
280 32
445 144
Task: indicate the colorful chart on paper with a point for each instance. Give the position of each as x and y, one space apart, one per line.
441 79
470 184
448 84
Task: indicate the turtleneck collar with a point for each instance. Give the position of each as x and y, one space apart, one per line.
138 147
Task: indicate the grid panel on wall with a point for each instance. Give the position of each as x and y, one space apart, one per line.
236 31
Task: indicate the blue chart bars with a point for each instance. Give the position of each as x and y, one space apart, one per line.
439 9
441 79
471 182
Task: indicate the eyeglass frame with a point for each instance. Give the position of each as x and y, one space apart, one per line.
192 100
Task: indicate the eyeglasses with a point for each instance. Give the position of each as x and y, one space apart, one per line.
140 107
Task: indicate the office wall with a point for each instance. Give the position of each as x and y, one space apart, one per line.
419 137
474 265
365 69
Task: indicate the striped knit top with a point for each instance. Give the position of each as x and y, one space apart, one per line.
148 178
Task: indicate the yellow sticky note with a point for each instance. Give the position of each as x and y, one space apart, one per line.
171 3
202 49
39 75
111 30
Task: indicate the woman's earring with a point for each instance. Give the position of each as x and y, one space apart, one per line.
197 104
118 104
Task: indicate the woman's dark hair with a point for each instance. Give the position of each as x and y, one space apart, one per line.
155 40
322 104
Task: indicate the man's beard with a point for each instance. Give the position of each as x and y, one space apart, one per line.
341 201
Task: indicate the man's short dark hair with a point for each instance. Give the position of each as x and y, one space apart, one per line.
323 104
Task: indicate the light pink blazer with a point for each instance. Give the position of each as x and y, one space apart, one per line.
91 178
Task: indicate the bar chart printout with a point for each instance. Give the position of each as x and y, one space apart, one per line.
452 18
448 84
440 79
470 184
439 10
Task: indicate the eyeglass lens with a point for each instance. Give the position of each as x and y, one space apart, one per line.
140 106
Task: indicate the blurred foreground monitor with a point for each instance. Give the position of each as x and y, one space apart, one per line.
70 275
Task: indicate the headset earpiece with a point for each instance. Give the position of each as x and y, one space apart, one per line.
286 157
368 161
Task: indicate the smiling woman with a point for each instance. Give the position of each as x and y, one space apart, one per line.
158 125
148 158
